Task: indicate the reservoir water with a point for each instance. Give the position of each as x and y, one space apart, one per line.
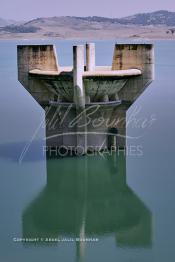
101 207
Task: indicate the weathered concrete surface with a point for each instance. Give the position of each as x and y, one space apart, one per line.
140 56
98 71
94 98
79 97
42 57
90 57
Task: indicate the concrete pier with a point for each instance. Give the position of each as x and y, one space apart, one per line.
90 57
79 97
78 69
83 102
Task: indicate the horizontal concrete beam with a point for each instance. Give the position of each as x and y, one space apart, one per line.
129 72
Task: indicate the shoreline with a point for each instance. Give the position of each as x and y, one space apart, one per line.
126 33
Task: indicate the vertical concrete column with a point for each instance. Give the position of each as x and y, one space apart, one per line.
79 98
78 69
90 57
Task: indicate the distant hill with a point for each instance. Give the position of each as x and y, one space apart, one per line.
154 25
161 17
72 22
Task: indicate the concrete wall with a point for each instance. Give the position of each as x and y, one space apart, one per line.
41 57
139 56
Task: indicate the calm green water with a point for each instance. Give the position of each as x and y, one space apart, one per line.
123 203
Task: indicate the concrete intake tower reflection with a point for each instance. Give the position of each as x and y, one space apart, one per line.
88 197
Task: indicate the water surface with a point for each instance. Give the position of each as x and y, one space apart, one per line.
125 202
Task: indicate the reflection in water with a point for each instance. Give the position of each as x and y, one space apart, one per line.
88 197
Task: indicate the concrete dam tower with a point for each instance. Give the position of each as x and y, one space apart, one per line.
85 105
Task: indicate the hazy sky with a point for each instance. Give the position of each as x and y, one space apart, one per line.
28 9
